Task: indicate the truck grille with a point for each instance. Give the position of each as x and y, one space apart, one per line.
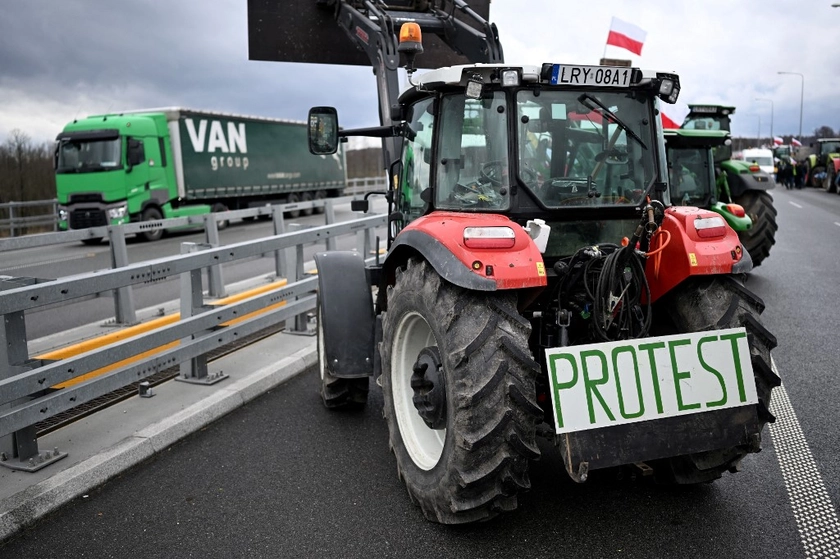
84 218
85 198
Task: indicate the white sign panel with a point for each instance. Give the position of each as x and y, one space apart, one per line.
606 384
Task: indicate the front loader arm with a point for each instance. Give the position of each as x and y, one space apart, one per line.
373 28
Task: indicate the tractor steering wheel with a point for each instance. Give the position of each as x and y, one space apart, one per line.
493 172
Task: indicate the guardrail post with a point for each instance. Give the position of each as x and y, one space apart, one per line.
192 303
215 282
301 325
281 257
123 296
363 242
12 229
19 451
329 214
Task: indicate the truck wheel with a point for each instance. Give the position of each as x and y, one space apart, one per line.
338 392
307 197
293 198
459 390
218 207
712 303
151 214
759 238
320 195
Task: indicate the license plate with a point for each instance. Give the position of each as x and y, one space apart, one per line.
604 76
614 383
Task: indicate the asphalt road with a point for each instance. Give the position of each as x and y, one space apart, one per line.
283 477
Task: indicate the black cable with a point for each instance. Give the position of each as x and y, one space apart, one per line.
618 312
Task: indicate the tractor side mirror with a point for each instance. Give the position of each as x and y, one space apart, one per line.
323 130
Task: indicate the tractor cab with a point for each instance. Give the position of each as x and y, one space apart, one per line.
565 144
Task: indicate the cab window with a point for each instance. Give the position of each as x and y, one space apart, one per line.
416 156
471 165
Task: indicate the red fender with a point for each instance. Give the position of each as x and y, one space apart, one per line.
687 253
519 266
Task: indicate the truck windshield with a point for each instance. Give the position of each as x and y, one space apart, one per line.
78 156
584 150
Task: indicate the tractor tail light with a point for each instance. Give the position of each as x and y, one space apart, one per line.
735 209
489 237
710 227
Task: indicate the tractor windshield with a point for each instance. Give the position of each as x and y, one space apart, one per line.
829 147
586 149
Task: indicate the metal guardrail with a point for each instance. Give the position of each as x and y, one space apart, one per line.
25 394
15 223
124 310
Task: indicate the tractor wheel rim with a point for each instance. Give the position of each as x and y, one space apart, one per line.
423 444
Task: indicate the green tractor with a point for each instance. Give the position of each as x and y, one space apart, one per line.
692 182
820 164
746 184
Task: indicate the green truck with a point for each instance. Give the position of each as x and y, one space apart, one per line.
147 165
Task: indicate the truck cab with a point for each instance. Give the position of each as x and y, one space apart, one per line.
113 169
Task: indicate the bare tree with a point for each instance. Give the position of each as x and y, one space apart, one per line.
824 132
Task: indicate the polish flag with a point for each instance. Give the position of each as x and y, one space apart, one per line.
777 141
626 35
673 115
795 142
667 123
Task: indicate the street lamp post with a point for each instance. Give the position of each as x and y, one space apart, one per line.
771 115
801 98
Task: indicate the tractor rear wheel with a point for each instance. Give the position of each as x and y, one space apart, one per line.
812 175
458 382
828 182
714 303
338 392
759 238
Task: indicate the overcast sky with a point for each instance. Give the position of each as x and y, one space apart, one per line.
62 59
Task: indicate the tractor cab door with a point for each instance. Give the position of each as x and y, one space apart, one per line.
415 162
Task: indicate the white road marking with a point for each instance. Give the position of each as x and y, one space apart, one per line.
816 519
794 204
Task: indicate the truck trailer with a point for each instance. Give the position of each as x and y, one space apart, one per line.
151 164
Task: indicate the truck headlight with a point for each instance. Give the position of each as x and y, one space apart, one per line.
118 212
63 215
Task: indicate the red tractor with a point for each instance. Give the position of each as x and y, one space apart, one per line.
538 281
